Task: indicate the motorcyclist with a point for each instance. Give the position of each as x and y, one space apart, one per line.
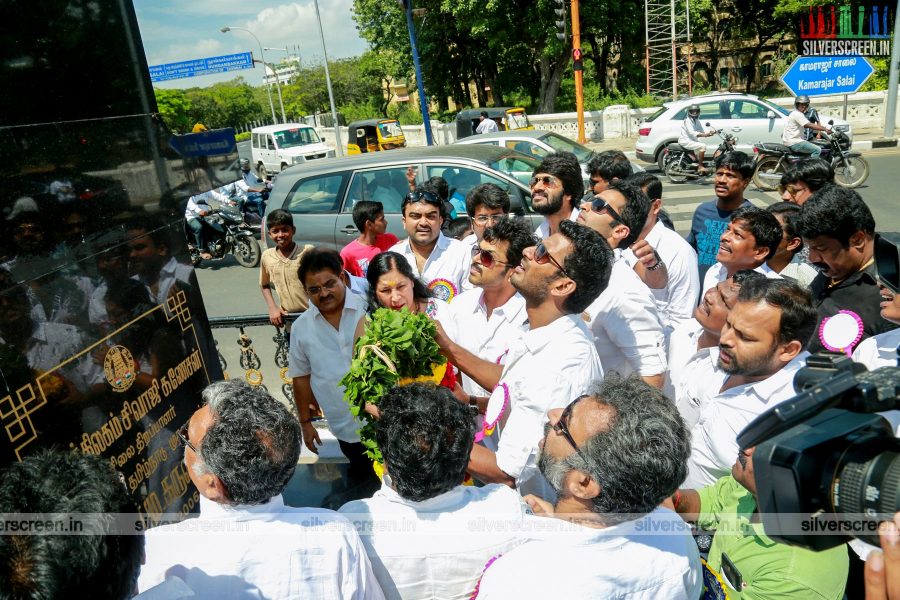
197 208
255 188
795 127
691 130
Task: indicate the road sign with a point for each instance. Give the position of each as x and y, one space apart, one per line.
201 66
207 143
825 75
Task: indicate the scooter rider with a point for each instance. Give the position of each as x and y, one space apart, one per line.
794 135
255 188
691 130
197 208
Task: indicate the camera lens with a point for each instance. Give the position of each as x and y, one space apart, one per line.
866 491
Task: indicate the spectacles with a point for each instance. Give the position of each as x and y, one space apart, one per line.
547 180
791 191
561 427
542 255
599 205
183 436
492 219
423 197
486 258
316 290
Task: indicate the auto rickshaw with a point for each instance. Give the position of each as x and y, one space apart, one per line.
507 119
374 135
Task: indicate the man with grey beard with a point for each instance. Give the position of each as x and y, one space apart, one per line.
612 456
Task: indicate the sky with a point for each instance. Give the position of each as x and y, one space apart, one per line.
177 30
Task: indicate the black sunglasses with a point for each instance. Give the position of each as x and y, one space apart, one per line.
562 424
422 197
486 258
183 436
542 255
599 205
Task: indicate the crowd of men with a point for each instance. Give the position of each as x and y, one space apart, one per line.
606 366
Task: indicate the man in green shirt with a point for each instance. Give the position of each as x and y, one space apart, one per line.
744 562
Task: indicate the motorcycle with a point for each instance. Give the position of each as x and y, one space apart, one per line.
773 160
226 232
681 164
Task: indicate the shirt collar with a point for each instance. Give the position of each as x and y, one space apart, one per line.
441 502
267 511
768 387
654 236
507 309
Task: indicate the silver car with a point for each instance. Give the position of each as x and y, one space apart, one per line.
321 194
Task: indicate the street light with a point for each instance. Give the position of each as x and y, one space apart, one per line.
262 57
337 134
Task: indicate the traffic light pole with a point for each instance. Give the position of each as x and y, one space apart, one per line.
577 67
420 84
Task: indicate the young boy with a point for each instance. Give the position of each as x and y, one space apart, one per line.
369 218
278 268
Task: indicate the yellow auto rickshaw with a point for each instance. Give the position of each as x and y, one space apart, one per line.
507 119
374 135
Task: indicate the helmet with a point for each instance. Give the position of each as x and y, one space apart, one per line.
693 108
804 99
245 164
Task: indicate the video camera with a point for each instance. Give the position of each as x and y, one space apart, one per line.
827 469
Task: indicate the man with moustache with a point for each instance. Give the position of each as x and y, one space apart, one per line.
556 188
441 262
839 230
612 455
552 363
761 348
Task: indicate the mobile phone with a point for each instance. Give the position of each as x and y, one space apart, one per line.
731 574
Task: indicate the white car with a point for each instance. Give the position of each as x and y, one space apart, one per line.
749 118
274 148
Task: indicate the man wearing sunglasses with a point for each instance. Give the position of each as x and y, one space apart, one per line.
553 362
556 186
441 262
613 457
624 319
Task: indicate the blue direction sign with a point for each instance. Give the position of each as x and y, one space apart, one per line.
823 75
201 66
206 143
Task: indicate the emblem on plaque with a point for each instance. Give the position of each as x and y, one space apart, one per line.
119 368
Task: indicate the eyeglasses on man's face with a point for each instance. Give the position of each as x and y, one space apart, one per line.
486 258
598 205
561 427
542 256
483 220
547 180
183 436
316 290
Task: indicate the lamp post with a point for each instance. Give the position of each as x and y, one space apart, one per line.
337 134
262 57
420 84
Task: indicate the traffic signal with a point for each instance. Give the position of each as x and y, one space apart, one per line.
560 10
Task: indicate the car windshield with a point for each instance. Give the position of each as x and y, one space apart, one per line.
390 129
560 143
516 165
300 136
516 120
776 108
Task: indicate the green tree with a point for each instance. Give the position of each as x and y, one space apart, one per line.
175 108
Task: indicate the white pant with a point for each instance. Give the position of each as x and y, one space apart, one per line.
692 145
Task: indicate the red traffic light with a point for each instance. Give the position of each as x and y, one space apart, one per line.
576 54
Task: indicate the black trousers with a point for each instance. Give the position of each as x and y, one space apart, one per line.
360 470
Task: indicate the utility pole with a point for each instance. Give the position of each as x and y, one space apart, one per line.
890 117
577 68
420 83
338 147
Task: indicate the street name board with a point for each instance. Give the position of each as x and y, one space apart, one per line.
824 75
201 66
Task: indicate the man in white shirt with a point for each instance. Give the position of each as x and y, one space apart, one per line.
320 355
554 362
789 260
760 350
442 263
674 280
556 188
794 134
613 456
428 535
752 237
241 450
486 205
486 124
627 329
689 134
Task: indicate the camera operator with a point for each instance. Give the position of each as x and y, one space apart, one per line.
743 557
760 350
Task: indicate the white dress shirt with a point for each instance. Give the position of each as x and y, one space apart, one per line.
675 302
687 366
714 445
268 551
681 347
881 351
543 230
450 260
487 126
718 273
546 368
324 353
626 326
624 561
436 548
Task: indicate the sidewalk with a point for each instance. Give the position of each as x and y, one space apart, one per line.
863 139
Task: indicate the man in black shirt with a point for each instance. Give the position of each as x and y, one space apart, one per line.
839 230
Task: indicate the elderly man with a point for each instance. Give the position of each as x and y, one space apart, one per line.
553 362
241 449
613 456
761 348
418 529
556 188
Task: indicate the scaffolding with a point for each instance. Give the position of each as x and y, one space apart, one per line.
667 26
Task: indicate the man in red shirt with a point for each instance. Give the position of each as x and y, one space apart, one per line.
369 218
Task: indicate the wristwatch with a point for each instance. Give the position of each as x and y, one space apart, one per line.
659 263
